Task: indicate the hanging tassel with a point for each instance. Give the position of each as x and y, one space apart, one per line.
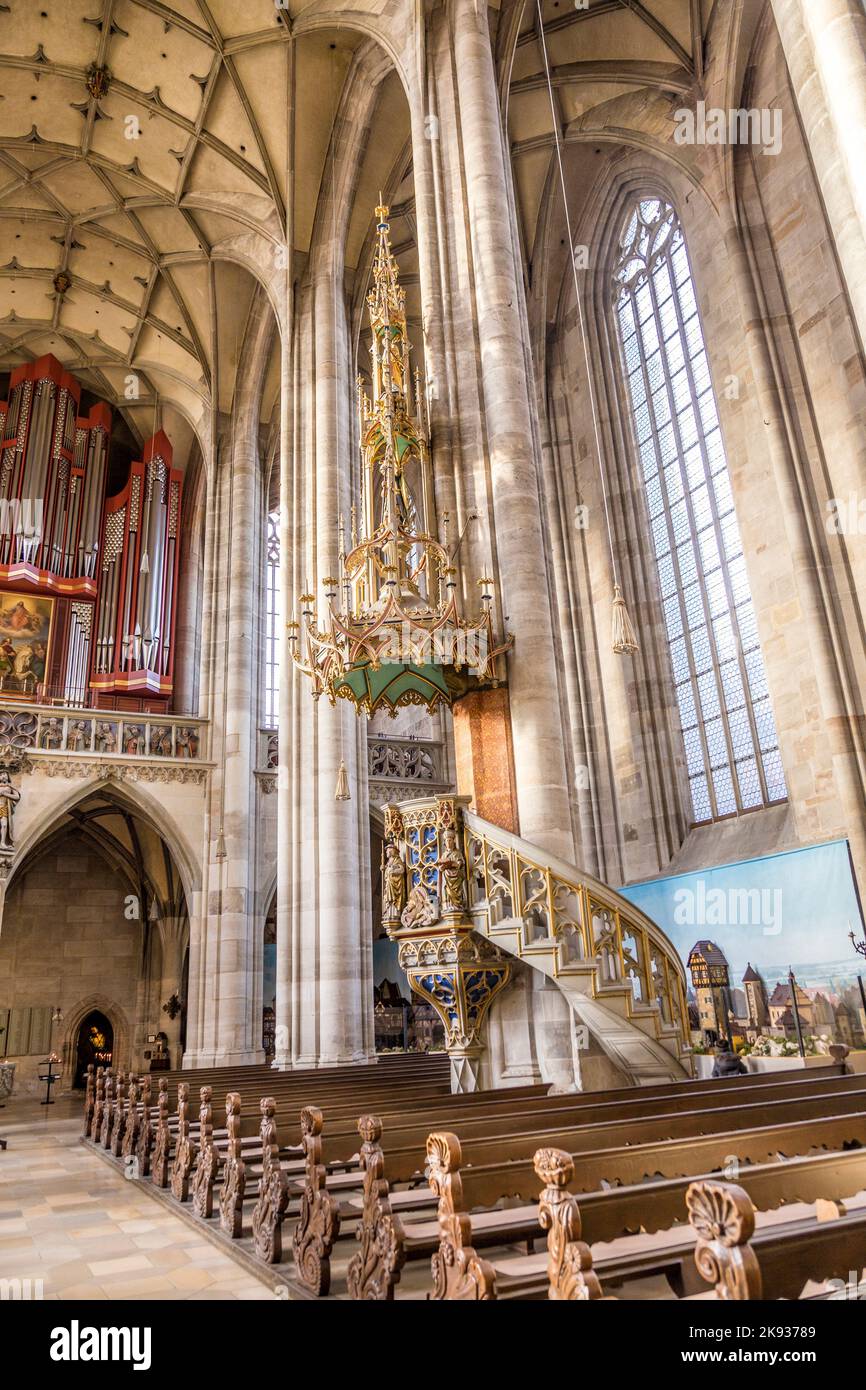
144 567
624 640
220 854
342 792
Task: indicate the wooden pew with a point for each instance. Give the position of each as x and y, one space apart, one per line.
830 1105
285 1085
292 1093
623 1150
744 1263
725 1241
387 1240
433 1068
89 1099
612 1212
255 1080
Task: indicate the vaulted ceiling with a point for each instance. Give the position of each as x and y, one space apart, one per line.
617 68
143 143
140 142
111 826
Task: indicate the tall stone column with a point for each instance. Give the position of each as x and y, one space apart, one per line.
507 431
328 986
825 49
285 783
226 938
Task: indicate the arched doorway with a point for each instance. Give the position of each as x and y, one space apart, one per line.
95 1044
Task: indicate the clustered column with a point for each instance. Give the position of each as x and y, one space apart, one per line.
825 48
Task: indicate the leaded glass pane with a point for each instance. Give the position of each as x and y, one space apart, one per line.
716 659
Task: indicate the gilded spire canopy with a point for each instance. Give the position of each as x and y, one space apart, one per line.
392 633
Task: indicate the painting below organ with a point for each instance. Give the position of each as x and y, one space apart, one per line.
88 583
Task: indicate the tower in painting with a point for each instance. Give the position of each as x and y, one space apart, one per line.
708 967
757 1008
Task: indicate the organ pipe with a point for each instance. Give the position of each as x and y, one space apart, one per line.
138 582
109 566
52 481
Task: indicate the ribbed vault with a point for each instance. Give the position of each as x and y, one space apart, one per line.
148 152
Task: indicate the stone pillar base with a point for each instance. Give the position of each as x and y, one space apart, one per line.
465 1069
253 1057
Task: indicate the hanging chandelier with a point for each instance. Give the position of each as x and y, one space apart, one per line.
391 632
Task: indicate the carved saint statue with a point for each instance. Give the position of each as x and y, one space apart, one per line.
452 874
9 798
133 739
160 741
78 736
393 883
106 738
52 734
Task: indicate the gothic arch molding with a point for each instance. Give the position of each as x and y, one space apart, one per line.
122 1045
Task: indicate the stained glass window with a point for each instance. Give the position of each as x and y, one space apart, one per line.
729 732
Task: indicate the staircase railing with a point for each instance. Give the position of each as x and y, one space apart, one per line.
600 943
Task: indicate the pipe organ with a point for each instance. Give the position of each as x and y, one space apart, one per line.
88 584
135 611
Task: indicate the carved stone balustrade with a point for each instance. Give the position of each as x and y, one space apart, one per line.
396 767
64 741
404 767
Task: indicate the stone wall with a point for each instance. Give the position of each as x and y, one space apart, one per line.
66 942
783 350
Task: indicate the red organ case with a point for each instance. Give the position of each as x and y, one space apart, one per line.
87 583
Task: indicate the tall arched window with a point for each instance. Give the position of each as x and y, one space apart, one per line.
731 744
272 621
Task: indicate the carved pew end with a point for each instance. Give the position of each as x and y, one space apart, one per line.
375 1269
319 1217
723 1219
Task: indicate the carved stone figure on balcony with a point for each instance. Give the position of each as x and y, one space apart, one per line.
106 738
133 740
393 884
52 734
452 875
160 741
78 736
187 743
9 798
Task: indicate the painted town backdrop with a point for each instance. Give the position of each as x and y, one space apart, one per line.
742 929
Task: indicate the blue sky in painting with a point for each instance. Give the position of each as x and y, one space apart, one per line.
802 905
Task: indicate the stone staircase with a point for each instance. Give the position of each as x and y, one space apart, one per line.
619 972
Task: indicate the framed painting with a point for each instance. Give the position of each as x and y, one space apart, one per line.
26 622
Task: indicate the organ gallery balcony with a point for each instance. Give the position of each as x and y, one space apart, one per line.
69 741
